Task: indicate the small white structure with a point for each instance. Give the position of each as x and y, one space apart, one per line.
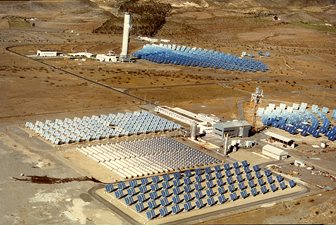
273 137
48 53
323 144
274 152
243 54
299 163
151 40
81 54
126 33
165 40
249 144
109 57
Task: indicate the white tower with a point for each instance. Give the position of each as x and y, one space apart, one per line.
127 27
256 98
226 143
193 130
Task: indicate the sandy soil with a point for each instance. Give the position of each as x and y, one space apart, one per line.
302 68
317 208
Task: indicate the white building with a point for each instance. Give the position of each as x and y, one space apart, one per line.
204 122
273 137
235 128
81 54
165 40
151 40
48 53
106 58
274 152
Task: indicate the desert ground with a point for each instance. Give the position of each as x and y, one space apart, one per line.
301 69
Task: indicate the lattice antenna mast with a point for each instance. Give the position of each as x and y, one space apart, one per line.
256 99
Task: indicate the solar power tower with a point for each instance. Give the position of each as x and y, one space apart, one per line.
256 98
125 42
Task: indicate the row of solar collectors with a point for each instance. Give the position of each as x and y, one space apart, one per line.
297 115
174 187
148 156
177 205
201 61
298 121
126 165
171 152
192 50
145 195
99 127
165 58
198 57
299 127
227 58
299 109
176 179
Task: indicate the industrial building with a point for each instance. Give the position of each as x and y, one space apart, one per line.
81 54
233 128
107 58
48 53
274 152
204 122
273 137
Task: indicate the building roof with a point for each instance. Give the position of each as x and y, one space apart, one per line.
274 150
278 136
234 123
48 50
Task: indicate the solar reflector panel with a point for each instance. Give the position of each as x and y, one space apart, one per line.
254 192
233 196
274 188
264 189
150 214
227 166
176 209
210 192
188 206
163 212
244 194
283 186
279 178
292 183
139 207
221 199
152 204
199 204
109 188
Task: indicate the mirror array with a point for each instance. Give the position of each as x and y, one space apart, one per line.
147 157
298 118
100 127
197 57
160 196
